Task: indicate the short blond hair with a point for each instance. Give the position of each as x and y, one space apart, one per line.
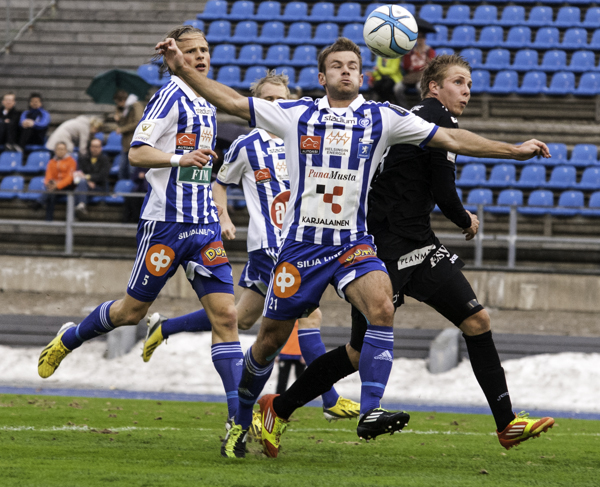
272 78
437 69
177 33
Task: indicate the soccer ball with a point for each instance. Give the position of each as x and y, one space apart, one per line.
390 31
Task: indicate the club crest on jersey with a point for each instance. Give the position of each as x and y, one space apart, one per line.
364 122
310 144
286 280
214 254
159 259
357 254
185 141
262 176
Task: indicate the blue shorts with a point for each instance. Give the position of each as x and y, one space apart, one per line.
162 246
304 271
257 271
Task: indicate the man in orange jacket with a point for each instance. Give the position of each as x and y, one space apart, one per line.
59 177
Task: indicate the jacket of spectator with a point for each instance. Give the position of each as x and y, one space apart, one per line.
131 116
75 131
40 117
61 172
98 168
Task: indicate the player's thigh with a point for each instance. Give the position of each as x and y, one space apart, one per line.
372 296
249 308
128 311
313 320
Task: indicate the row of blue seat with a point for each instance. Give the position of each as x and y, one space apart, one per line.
532 176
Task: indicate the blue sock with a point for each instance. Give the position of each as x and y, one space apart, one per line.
95 324
312 347
228 359
196 321
375 365
254 378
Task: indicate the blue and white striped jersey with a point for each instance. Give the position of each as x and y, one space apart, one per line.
332 155
176 120
258 162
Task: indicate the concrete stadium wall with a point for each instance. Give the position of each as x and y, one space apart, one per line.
496 289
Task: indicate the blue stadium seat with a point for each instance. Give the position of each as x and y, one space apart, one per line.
439 38
289 71
354 32
299 33
410 7
539 203
444 50
219 31
113 143
267 11
479 197
250 54
196 24
485 15
562 177
150 73
253 73
432 13
322 12
534 83
497 59
326 33
471 175
481 81
368 59
554 60
592 18
114 168
277 54
369 8
502 176
462 36
230 76
574 38
308 79
214 10
304 56
272 33
10 162
223 54
558 152
491 36
473 57
245 32
10 187
365 84
589 85
593 207
525 60
349 12
241 10
568 17
570 203
540 16
590 179
36 162
584 155
563 83
512 15
546 38
506 199
518 38
295 12
506 81
36 184
121 186
457 15
582 61
595 42
532 176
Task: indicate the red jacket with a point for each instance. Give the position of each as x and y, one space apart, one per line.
61 172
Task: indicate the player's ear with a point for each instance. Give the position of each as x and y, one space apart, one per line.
434 87
322 79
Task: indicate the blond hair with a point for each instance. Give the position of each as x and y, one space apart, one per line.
177 33
273 78
437 69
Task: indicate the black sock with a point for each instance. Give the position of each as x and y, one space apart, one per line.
317 379
490 375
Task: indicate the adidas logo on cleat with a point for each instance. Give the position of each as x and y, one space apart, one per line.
385 355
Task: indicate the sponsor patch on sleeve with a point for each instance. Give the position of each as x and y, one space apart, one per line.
143 131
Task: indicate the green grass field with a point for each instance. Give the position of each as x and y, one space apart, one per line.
62 441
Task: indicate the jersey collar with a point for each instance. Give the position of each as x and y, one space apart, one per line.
355 105
264 135
185 88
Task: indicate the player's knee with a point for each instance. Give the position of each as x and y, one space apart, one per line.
129 317
476 324
245 322
227 318
381 313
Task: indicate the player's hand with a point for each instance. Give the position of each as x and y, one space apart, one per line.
171 53
472 230
198 158
530 149
227 230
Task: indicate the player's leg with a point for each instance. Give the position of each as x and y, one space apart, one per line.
249 308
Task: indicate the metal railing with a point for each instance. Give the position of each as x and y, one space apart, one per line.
32 19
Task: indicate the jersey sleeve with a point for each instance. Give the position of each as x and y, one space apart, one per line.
157 119
235 163
274 117
405 127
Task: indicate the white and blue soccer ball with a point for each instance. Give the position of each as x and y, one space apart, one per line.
390 31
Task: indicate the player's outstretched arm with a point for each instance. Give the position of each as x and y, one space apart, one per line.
220 198
469 144
146 156
221 96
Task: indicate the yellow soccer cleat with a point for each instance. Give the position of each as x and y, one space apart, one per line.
272 426
522 428
54 353
234 444
154 336
343 409
255 429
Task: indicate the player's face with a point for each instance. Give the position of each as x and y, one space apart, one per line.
195 52
342 77
8 101
271 92
456 90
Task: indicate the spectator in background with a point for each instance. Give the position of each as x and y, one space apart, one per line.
34 122
412 67
133 205
127 115
75 132
9 123
384 77
59 177
93 172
